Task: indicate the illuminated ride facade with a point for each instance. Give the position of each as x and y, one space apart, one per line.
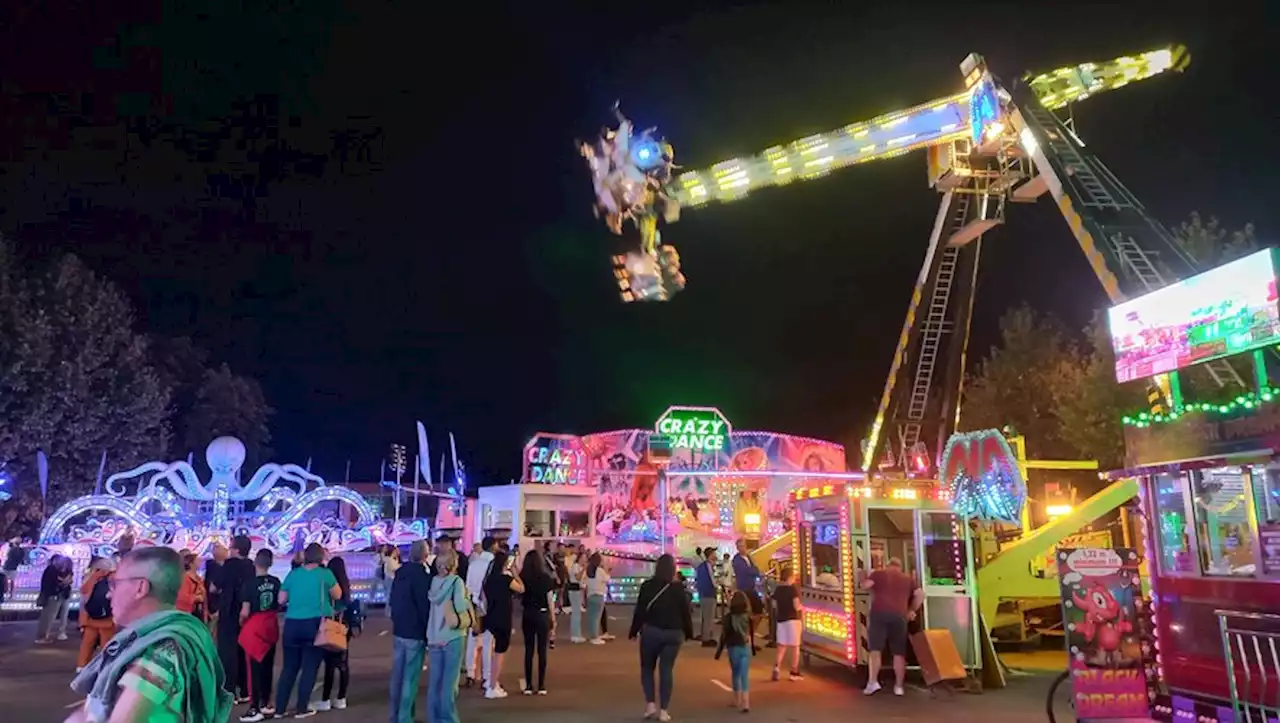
1209 477
282 508
846 529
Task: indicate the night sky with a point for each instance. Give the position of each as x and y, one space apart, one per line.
457 276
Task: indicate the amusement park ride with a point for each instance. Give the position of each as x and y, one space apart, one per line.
987 145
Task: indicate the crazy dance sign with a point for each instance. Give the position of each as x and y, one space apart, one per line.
702 429
554 459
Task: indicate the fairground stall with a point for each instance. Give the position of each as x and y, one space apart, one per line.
846 530
691 481
1205 457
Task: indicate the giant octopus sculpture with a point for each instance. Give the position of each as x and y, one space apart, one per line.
277 520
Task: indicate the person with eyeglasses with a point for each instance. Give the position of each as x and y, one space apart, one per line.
163 666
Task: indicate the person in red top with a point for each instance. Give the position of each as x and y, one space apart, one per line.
895 598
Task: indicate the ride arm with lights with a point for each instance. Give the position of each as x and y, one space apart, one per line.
1008 575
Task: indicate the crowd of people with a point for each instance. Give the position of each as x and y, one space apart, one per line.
160 641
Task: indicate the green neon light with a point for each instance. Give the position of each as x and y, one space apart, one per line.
1249 401
699 429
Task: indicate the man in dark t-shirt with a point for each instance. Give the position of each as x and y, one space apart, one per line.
236 571
895 597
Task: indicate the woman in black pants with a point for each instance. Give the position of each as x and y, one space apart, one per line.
663 620
337 661
535 622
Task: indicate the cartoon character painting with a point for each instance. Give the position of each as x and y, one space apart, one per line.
1104 625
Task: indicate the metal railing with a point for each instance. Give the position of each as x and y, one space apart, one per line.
1251 646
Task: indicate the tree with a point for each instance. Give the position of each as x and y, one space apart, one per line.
1209 244
75 379
1090 404
227 403
181 366
1015 384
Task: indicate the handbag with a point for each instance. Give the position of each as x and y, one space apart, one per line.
454 617
332 635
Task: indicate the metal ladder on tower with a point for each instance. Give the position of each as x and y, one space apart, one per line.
1136 263
935 325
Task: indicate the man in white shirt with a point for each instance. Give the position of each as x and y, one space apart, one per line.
483 643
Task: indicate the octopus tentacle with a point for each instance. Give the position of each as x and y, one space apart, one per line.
113 481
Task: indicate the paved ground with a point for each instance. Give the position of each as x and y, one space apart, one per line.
587 684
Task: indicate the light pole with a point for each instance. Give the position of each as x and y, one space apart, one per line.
398 466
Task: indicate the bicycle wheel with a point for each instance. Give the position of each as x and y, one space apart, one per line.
1059 704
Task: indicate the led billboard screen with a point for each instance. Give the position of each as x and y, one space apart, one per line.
1224 311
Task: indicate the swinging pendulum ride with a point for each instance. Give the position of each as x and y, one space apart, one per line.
987 146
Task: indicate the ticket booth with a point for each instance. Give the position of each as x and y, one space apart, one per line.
846 531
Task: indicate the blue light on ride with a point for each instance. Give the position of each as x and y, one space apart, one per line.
984 109
647 154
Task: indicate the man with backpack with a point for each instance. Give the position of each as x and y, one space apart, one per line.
97 626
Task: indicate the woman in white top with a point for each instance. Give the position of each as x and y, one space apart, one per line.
596 580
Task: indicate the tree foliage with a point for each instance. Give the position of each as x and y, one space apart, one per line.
77 380
227 403
1013 385
1210 244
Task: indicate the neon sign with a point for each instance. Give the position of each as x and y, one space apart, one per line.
982 476
701 429
555 459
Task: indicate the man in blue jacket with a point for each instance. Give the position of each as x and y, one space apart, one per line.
409 609
705 580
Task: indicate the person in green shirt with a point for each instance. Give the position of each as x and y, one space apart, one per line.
307 594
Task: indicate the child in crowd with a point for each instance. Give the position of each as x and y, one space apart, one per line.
786 600
738 636
259 632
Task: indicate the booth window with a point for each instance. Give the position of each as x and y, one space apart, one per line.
1266 504
1223 528
944 549
825 569
1172 524
574 524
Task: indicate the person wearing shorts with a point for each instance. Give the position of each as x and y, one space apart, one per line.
895 597
498 586
786 599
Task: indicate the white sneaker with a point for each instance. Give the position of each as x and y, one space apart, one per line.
597 641
340 704
542 691
664 716
495 693
320 705
897 690
872 688
577 641
607 636
62 636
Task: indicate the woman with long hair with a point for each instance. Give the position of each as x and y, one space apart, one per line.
498 587
663 621
308 594
596 581
447 627
335 661
535 618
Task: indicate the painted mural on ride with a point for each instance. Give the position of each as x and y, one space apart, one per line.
283 507
721 483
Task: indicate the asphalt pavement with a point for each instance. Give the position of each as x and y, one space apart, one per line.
586 684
